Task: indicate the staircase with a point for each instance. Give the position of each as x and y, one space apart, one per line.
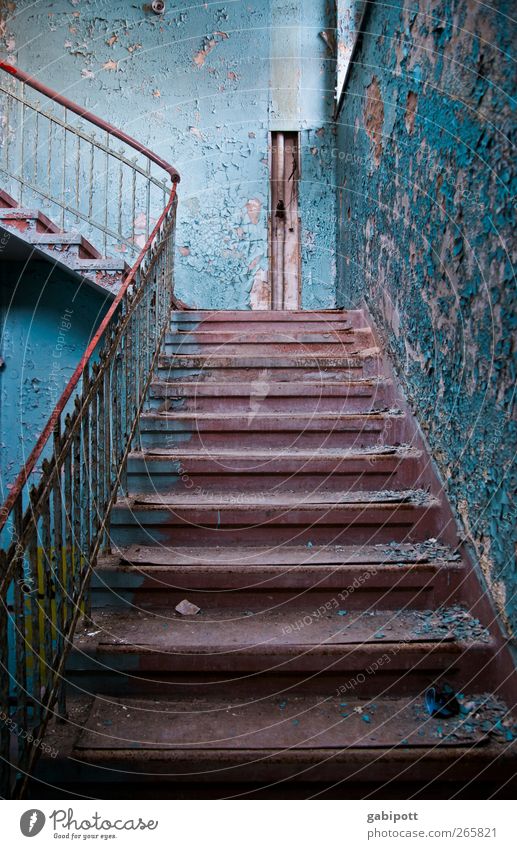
285 582
32 229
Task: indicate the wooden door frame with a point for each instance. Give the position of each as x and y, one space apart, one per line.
284 217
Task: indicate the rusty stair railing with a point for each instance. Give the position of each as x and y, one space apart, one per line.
84 173
56 518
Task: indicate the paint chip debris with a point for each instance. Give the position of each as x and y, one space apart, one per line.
110 65
186 608
197 133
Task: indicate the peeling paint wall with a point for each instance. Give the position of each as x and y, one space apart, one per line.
46 322
195 85
424 235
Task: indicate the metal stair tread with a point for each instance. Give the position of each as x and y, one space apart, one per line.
281 723
298 500
275 454
261 416
252 557
219 633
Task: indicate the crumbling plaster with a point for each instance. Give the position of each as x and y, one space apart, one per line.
425 187
195 84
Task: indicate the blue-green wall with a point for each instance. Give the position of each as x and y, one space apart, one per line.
425 184
46 321
203 85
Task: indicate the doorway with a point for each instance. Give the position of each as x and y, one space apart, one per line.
284 221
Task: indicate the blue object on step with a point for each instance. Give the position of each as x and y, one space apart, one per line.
441 702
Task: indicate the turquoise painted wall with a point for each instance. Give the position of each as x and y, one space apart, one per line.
202 85
425 185
47 320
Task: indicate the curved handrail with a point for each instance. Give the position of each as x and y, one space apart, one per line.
48 430
46 434
89 116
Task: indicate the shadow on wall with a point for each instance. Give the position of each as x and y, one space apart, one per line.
425 233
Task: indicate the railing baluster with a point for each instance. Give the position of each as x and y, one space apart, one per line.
106 192
8 134
91 181
95 442
34 590
49 157
77 170
63 178
22 144
49 596
62 601
20 681
87 492
120 197
107 448
76 501
68 541
133 208
5 712
35 151
148 202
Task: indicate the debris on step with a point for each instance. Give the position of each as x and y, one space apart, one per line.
452 621
186 608
441 702
482 715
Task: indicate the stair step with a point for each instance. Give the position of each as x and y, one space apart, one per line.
27 220
256 500
296 336
267 395
252 344
163 469
292 368
282 737
283 723
248 518
65 241
6 201
214 317
250 558
299 361
346 576
284 389
279 430
275 641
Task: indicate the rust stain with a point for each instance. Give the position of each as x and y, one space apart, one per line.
374 118
411 104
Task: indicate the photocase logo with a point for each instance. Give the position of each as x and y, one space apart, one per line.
259 390
31 822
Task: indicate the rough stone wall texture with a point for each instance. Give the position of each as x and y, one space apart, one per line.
46 322
425 215
195 85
